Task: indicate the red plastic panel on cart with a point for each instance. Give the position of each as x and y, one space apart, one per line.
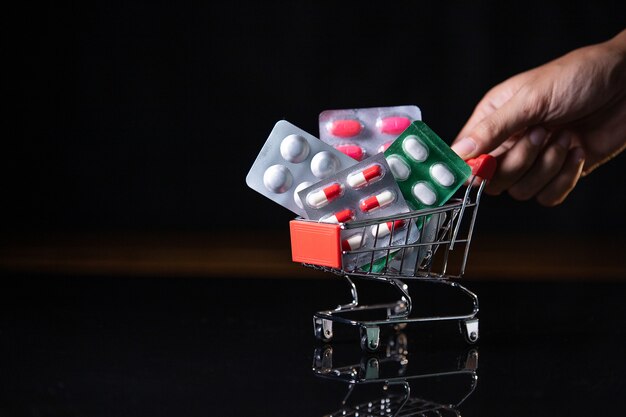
483 166
315 243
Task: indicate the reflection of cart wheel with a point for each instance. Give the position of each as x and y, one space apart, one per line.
400 326
469 329
323 329
370 338
401 342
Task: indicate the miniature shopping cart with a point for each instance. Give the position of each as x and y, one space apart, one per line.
439 256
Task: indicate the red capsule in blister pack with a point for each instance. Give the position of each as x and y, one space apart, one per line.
385 229
353 242
377 201
344 128
320 197
353 151
367 176
393 125
342 216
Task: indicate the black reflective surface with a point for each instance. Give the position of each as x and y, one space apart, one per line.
111 346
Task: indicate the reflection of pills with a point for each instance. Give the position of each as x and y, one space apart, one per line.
393 125
399 168
324 164
415 149
353 151
424 193
294 148
277 179
321 197
299 188
377 201
344 128
442 175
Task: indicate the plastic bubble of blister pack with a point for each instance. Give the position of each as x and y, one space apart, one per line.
291 160
428 172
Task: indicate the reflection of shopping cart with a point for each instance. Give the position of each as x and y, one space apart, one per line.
394 383
437 254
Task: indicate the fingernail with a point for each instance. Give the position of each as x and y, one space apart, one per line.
537 135
564 140
465 147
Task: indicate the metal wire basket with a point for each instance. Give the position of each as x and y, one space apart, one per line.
439 256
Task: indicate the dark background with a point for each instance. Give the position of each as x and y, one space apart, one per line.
147 115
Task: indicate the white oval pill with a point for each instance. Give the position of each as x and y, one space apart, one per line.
299 188
442 174
294 148
399 168
277 179
424 193
324 164
415 148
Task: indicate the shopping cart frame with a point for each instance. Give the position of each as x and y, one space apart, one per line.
450 233
394 368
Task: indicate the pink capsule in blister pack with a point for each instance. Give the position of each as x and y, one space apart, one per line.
360 133
291 160
366 190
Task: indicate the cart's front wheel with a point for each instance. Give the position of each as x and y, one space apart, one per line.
470 330
370 338
323 329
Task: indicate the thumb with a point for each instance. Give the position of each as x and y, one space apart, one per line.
516 114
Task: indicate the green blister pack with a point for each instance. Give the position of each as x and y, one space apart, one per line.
426 169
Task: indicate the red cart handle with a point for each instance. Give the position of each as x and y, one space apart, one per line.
483 166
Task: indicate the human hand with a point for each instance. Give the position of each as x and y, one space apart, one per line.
552 124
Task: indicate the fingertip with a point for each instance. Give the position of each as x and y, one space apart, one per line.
465 147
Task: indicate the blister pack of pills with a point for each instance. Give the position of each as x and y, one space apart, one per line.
361 133
291 160
406 261
428 172
366 190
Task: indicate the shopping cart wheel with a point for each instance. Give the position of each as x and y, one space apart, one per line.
323 329
370 338
469 329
